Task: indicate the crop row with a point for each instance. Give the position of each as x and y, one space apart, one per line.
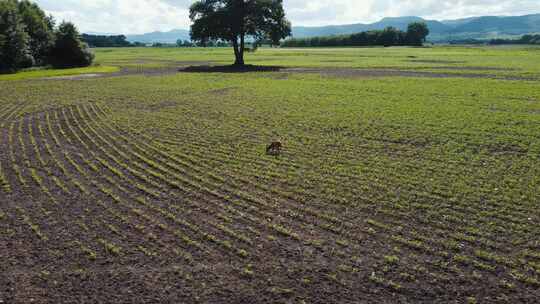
9 112
237 167
149 192
177 165
110 194
138 174
409 183
246 213
443 232
42 176
451 208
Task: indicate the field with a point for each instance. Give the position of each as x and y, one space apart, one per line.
408 175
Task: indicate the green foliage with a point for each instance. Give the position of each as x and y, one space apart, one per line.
184 43
49 72
69 51
390 36
417 33
105 41
14 50
39 28
234 20
525 39
27 38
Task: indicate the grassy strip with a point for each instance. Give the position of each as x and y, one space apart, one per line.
45 73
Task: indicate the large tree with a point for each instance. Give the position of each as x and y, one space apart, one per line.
417 33
14 51
238 20
40 29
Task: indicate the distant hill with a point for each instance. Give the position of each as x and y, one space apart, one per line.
504 25
397 22
163 37
487 27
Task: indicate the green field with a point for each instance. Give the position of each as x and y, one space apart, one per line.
407 175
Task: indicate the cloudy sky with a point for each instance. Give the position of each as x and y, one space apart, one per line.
141 16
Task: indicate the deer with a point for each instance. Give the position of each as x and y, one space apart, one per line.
274 148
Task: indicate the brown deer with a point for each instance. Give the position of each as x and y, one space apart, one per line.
274 148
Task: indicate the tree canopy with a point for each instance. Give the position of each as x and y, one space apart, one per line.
525 39
14 50
417 33
40 29
106 41
238 20
28 37
68 49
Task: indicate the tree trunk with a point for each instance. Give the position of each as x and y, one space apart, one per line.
238 51
242 48
241 32
235 48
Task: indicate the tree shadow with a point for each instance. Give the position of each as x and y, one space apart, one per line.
230 69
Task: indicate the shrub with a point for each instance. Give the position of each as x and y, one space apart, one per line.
68 50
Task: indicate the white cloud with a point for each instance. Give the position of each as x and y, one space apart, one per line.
119 16
140 16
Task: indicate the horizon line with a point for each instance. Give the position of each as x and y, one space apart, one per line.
317 26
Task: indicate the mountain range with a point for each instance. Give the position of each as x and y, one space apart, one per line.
485 27
163 37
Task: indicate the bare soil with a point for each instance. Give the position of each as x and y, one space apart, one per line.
170 268
283 71
437 61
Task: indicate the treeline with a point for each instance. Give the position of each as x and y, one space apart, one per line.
415 36
106 41
211 43
97 41
526 39
468 41
28 37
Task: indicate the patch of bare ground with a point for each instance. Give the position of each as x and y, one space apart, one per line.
349 72
171 67
467 68
437 61
144 71
223 91
374 73
230 69
285 71
173 62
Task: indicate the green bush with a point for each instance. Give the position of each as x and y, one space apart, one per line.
68 50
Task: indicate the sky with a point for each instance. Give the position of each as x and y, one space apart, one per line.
143 16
